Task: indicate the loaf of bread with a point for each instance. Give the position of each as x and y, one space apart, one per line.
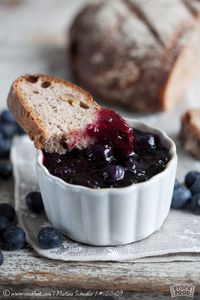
140 54
193 6
53 112
190 132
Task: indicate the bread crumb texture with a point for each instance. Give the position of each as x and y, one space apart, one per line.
63 111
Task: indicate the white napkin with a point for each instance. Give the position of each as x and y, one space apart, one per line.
178 239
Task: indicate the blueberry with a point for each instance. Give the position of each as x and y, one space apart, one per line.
176 184
56 158
4 224
82 180
94 183
100 152
64 172
1 258
8 211
7 117
14 238
195 188
158 166
5 146
147 143
49 237
113 173
195 204
20 130
140 176
8 130
79 180
181 196
191 177
131 162
34 202
5 169
1 135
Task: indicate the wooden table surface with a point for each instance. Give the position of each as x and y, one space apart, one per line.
33 39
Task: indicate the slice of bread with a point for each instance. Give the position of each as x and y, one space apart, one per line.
53 112
190 132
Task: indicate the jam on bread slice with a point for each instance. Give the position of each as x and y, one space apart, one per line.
190 132
59 116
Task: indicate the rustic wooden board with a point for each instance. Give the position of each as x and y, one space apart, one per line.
26 269
33 39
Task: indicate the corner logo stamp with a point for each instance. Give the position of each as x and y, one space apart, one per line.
178 290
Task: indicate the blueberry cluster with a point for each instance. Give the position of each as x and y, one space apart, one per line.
12 237
187 195
8 129
48 237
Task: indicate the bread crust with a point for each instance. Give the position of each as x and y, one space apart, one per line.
190 133
187 119
193 6
24 116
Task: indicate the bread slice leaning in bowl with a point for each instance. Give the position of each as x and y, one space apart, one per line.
53 112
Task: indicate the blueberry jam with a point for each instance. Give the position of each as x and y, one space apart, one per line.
102 131
103 165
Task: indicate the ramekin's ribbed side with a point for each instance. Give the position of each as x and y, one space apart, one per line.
107 216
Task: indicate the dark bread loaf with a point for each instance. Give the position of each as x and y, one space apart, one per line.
134 52
193 6
190 132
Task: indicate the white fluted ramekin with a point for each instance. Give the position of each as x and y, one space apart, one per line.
109 216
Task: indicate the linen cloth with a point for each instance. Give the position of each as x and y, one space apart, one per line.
178 239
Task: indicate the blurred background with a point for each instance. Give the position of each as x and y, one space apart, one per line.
34 38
